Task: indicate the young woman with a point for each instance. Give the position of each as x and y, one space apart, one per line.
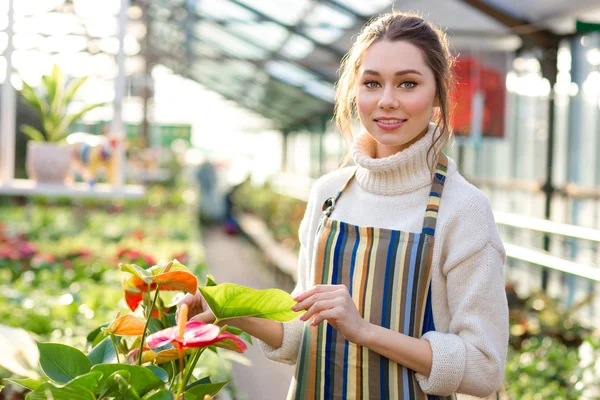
390 314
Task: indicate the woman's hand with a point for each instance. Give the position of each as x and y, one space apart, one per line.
334 304
198 309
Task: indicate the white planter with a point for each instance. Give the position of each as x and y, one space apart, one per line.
48 162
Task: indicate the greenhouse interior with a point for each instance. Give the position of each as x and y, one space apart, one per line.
154 152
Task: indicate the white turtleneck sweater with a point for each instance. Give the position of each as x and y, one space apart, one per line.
469 304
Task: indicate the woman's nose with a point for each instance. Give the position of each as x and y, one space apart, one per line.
388 98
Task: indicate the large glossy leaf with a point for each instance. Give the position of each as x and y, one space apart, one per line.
89 381
126 325
228 300
199 391
117 383
49 391
142 379
62 363
103 353
162 394
159 372
27 383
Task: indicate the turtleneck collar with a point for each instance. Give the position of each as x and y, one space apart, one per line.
403 172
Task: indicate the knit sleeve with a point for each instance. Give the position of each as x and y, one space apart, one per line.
292 331
470 357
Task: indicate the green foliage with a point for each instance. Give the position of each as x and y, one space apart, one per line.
62 363
51 102
281 213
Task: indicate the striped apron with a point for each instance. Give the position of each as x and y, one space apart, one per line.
388 275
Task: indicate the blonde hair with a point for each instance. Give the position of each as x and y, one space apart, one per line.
392 27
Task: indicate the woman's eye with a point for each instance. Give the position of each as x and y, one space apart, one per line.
408 85
371 84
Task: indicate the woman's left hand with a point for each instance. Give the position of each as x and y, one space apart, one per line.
334 304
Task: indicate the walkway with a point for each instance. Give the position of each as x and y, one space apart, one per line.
233 259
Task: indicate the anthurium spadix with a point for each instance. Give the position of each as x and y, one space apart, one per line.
172 276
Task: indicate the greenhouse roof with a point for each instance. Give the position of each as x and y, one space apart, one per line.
279 58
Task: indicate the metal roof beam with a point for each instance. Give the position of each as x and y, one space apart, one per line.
291 29
531 35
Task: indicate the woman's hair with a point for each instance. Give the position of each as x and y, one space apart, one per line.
392 27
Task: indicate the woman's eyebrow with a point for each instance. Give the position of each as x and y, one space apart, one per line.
403 72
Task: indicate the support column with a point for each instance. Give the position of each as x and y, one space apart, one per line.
550 72
117 127
284 151
8 109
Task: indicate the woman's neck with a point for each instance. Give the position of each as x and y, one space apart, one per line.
402 172
383 151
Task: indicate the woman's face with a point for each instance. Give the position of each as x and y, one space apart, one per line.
396 95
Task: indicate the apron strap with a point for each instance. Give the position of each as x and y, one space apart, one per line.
437 187
329 204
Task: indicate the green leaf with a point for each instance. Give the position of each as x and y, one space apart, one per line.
210 280
49 391
137 271
72 88
1 387
162 394
159 372
116 383
27 383
70 119
103 353
33 133
62 363
155 325
89 381
91 337
228 300
238 332
142 379
200 381
199 391
35 101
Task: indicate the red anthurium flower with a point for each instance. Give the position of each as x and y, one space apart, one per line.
197 334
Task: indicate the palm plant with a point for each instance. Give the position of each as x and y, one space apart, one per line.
51 101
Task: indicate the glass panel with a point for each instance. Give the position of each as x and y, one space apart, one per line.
212 33
288 14
265 34
224 9
288 72
297 47
326 24
366 8
320 89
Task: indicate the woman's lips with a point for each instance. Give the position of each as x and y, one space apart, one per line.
390 124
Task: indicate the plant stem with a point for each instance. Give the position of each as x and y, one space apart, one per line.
191 365
149 312
181 384
114 342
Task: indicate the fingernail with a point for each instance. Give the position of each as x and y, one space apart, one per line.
294 308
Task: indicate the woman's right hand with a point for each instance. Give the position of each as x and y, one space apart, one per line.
198 309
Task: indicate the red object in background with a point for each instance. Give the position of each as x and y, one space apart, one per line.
471 76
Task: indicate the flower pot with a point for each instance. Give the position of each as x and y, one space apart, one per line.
48 162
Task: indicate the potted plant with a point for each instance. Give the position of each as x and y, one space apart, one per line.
48 156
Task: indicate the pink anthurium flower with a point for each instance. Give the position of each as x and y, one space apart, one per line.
196 335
